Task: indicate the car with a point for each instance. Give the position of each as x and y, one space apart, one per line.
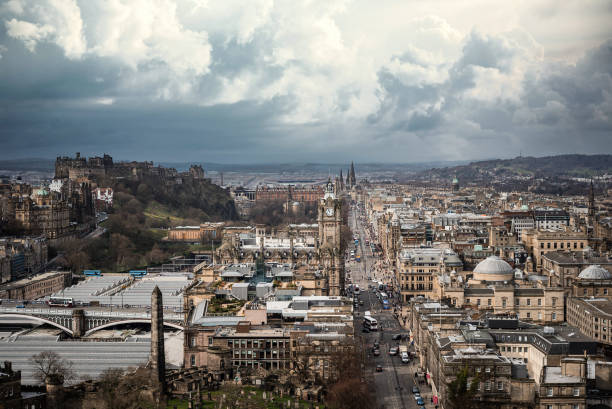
378 368
20 306
376 352
415 389
365 330
421 407
397 336
420 401
393 351
417 396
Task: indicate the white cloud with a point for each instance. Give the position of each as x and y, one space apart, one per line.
27 32
383 70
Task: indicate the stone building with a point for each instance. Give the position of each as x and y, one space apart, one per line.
564 386
493 288
309 194
11 395
196 234
540 242
36 287
417 269
317 246
592 317
563 267
22 256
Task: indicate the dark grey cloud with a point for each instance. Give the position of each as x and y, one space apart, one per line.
284 86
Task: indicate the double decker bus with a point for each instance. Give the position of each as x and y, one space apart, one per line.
385 304
60 302
370 323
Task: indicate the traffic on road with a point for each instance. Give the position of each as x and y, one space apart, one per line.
391 362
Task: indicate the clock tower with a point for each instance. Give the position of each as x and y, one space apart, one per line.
330 255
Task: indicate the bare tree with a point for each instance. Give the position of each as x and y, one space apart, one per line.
349 393
121 390
50 366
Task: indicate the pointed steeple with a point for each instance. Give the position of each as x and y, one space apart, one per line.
341 180
353 179
591 203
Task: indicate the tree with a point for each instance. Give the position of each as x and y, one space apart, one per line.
350 393
120 390
460 394
50 366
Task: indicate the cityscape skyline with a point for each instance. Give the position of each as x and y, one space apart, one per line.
319 81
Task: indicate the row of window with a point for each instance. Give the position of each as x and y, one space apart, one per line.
561 245
514 349
550 392
418 278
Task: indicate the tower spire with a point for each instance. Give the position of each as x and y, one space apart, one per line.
352 175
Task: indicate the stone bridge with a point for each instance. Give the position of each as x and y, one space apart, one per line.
80 322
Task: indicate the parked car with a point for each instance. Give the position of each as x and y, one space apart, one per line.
420 401
378 368
417 396
376 352
415 389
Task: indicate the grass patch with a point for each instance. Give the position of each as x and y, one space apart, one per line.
221 306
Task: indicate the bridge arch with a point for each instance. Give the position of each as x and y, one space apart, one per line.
134 321
39 319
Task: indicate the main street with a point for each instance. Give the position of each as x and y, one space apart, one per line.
395 382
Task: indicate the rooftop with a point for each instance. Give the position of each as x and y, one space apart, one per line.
552 374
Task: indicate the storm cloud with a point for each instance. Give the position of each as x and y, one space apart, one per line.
271 81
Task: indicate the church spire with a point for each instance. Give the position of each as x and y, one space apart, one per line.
591 204
352 175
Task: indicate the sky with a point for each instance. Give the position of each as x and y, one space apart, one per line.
270 81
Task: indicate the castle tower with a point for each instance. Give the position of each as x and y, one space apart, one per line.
331 256
158 356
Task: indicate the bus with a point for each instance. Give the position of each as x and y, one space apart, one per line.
370 323
92 273
138 273
385 304
60 302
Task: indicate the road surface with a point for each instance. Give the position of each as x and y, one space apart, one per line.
393 386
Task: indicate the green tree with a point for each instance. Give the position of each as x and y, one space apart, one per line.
461 392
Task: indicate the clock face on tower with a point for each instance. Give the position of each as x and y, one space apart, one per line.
329 211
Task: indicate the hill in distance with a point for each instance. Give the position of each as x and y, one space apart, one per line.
563 166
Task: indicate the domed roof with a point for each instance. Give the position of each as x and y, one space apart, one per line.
493 265
595 272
